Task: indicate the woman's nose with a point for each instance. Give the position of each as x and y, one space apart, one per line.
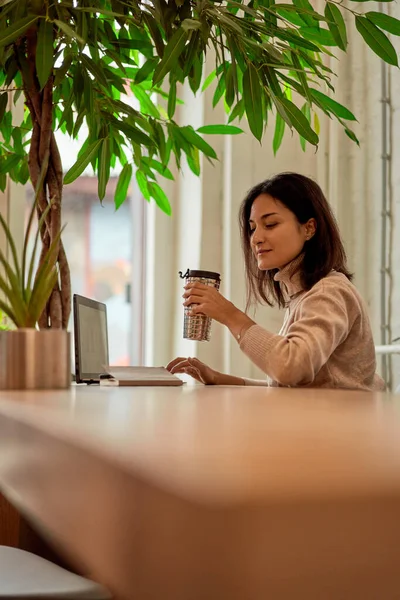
256 237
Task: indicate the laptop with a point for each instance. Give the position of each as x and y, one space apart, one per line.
90 339
92 355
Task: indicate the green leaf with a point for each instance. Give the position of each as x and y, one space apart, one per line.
160 197
69 31
6 126
336 24
44 52
193 160
317 126
45 280
196 74
237 112
384 21
154 32
292 17
219 129
172 53
143 184
208 80
104 167
121 190
190 24
219 91
319 35
39 187
95 70
307 12
305 109
11 243
252 96
301 76
23 175
133 133
230 87
298 120
376 40
327 103
146 105
278 134
294 38
155 165
17 29
196 140
9 163
82 162
351 135
192 53
172 99
145 70
3 104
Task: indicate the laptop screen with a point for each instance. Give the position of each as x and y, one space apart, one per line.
91 339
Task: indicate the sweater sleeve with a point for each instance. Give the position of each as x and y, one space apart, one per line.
323 320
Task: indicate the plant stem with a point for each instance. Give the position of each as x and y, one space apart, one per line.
40 105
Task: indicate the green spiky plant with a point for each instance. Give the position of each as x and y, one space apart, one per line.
26 293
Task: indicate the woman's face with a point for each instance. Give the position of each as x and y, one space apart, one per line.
276 235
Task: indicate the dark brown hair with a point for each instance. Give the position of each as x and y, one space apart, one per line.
322 253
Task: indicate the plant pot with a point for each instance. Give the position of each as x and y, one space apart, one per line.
35 360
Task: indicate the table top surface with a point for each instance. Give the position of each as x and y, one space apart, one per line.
228 445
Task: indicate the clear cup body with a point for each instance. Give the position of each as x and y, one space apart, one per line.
198 327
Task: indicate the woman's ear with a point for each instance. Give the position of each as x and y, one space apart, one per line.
310 228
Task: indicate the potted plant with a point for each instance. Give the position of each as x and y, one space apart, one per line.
30 358
74 61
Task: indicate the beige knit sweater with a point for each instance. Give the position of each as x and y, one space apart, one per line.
325 341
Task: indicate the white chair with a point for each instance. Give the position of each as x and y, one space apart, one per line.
26 576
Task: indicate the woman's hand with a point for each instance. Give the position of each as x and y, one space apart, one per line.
207 300
195 368
202 372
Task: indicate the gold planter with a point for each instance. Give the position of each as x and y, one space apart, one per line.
35 360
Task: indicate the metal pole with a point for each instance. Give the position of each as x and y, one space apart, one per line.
385 159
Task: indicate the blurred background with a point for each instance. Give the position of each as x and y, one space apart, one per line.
130 258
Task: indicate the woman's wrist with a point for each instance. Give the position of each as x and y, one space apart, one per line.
225 379
238 323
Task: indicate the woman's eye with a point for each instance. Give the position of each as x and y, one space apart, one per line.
252 231
271 225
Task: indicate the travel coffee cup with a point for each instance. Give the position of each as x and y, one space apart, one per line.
198 327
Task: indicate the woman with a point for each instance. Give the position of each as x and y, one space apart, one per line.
294 257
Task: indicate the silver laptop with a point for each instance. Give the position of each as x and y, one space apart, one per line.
90 338
92 356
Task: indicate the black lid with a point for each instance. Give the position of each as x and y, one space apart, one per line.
206 274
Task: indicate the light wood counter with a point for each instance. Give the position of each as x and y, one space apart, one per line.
203 493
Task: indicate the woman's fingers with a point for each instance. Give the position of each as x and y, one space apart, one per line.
194 373
193 367
171 365
195 362
193 300
196 285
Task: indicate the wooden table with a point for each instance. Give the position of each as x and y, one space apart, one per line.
204 493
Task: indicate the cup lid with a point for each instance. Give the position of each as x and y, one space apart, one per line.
205 274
